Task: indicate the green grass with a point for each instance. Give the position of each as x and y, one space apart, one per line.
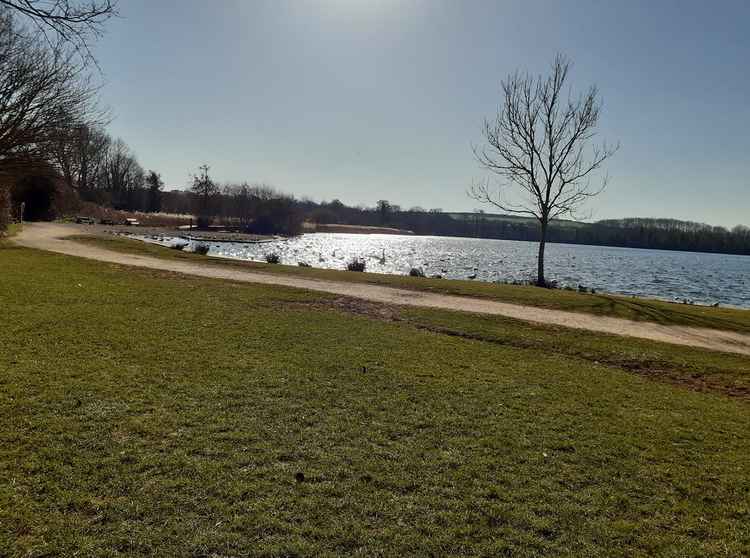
12 230
638 309
147 413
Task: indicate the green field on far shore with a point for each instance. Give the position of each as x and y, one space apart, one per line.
148 413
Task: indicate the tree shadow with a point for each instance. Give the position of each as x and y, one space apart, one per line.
664 313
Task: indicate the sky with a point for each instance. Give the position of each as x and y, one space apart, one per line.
363 100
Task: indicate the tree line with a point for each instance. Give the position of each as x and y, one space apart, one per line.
662 234
104 170
262 209
256 208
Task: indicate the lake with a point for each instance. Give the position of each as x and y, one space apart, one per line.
699 277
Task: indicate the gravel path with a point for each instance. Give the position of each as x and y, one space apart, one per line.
48 236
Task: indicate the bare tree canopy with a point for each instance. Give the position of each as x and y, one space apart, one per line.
43 93
540 144
205 191
80 153
73 22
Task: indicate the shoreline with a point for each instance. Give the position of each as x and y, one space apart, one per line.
579 288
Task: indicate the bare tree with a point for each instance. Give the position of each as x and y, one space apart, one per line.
540 144
154 184
80 154
66 22
43 93
205 191
4 208
123 178
240 206
384 209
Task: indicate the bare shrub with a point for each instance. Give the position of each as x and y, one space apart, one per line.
201 249
356 265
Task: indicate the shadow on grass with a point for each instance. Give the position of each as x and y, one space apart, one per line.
664 313
708 373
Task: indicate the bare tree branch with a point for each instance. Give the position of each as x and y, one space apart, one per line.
43 94
540 142
76 23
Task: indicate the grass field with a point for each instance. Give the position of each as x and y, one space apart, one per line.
12 230
152 414
639 309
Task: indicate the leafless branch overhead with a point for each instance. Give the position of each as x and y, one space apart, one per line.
76 23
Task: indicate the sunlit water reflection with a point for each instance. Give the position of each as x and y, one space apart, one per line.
703 278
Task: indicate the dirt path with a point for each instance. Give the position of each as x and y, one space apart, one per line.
47 236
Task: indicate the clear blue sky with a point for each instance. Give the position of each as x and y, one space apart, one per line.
364 99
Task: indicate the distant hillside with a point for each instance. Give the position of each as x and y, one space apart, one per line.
490 217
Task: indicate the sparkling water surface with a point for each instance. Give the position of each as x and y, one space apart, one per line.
698 277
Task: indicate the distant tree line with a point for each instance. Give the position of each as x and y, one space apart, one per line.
663 234
104 170
256 208
667 234
263 209
83 163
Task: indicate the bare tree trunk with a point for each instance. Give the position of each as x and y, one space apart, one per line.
5 212
540 281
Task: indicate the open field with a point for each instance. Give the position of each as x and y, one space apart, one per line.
148 413
639 309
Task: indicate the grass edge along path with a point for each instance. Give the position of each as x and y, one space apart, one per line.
12 230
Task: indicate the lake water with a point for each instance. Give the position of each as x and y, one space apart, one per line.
702 278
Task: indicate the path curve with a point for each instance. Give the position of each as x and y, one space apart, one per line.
49 236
